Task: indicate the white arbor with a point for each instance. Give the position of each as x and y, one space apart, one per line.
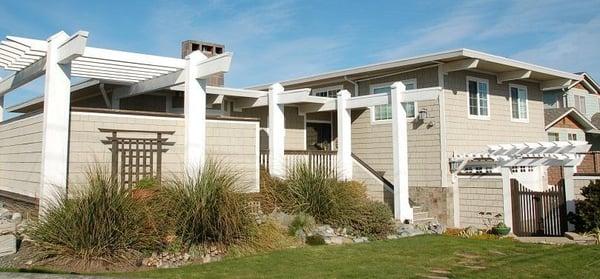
61 57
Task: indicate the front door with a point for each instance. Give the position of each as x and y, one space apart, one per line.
318 136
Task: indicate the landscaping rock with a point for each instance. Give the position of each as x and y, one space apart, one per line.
580 239
434 227
360 239
166 260
406 230
8 245
324 231
282 218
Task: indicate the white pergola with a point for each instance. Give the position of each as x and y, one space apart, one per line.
61 57
567 154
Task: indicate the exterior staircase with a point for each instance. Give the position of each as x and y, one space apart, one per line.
420 216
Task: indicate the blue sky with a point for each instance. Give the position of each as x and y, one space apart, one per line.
277 40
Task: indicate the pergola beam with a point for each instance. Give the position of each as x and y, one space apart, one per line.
459 65
513 75
73 48
23 77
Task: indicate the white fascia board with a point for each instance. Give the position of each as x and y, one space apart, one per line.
372 67
22 77
417 95
329 105
518 64
155 84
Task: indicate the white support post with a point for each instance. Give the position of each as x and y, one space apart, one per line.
506 196
1 108
55 127
276 132
195 114
402 209
344 138
568 175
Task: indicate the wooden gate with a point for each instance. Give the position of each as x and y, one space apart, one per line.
538 213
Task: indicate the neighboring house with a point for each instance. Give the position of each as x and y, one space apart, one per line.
469 127
567 124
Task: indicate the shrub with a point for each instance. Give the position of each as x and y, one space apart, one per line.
99 221
587 217
303 222
315 240
316 192
264 237
207 206
147 183
374 219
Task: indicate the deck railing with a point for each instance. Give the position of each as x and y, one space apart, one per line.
314 158
590 165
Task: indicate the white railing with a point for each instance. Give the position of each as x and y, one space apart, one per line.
314 158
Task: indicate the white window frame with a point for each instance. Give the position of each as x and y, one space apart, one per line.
372 88
489 95
326 89
518 86
578 105
557 138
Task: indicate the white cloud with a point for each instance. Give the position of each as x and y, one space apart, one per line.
576 51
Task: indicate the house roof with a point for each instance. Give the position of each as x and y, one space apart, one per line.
588 82
553 115
487 62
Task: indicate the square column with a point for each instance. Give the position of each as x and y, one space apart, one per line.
568 173
55 125
195 114
344 128
1 108
276 132
506 196
402 209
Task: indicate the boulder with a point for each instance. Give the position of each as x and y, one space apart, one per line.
406 230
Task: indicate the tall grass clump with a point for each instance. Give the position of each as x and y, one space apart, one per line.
99 221
207 206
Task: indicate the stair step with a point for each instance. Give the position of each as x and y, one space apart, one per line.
420 215
423 221
417 209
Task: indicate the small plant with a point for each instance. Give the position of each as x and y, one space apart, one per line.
501 229
302 222
315 240
490 220
470 233
207 206
587 216
264 237
595 233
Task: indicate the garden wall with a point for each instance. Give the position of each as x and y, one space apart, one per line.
479 194
231 141
20 156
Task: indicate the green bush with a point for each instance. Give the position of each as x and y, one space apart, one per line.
207 206
100 221
147 183
318 193
303 222
315 240
374 219
587 217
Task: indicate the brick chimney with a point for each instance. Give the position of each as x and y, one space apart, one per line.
208 49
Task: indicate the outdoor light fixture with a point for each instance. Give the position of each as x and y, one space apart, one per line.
422 114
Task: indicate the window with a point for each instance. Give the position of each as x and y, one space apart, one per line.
518 102
479 102
553 137
384 112
572 136
579 103
330 92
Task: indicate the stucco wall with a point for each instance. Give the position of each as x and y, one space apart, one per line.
232 142
468 135
479 194
20 155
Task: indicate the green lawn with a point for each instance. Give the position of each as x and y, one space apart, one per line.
405 258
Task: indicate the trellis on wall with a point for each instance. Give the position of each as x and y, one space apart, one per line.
136 157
